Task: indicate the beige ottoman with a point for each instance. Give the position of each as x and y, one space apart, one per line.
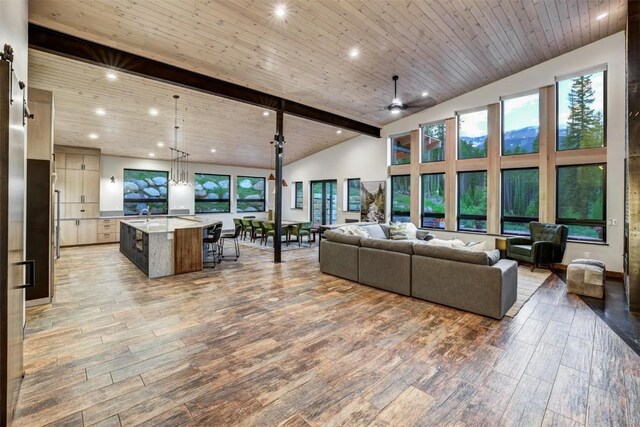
586 277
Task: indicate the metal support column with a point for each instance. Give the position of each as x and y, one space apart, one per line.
277 211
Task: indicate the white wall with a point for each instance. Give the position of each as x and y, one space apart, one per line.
111 195
366 158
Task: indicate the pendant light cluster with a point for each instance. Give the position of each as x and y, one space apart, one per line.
179 159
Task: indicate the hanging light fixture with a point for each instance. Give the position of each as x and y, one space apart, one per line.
179 159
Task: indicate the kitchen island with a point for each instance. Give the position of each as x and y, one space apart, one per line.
164 246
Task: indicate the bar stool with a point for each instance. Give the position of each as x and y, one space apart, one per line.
233 236
211 244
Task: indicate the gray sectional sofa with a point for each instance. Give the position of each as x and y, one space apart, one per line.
478 282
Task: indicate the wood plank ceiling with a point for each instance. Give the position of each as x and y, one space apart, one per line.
442 47
239 133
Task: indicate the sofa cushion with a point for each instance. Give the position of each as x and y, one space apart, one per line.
342 237
522 250
405 247
398 231
375 231
460 255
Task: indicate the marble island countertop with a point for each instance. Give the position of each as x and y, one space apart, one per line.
168 225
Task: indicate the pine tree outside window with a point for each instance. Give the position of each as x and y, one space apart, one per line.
581 113
433 141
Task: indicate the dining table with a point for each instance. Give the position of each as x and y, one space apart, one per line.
287 224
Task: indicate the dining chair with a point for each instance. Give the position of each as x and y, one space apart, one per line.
270 231
299 231
258 231
247 228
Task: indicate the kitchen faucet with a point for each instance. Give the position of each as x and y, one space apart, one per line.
143 212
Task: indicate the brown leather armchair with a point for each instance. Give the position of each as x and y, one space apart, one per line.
546 245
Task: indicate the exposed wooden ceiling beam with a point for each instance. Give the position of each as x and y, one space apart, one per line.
45 39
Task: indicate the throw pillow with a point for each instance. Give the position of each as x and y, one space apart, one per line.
412 230
476 246
453 244
355 230
398 230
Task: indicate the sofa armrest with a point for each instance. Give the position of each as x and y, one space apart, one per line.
507 266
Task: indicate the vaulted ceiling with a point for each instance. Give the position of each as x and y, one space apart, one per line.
443 47
239 133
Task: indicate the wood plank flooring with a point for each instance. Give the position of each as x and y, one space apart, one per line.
252 343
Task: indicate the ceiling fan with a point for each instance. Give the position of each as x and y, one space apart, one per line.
397 106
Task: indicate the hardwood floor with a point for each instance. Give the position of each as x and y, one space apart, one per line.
252 343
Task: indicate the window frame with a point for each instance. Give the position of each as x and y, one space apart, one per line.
605 85
264 191
391 139
422 136
298 186
165 200
518 219
587 223
432 215
469 216
391 213
469 111
196 201
348 194
514 96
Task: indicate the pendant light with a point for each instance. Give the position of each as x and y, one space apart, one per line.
179 158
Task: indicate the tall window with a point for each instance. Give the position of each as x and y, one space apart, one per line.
433 139
433 200
581 199
472 134
401 198
250 192
353 195
299 195
581 104
521 124
144 189
519 200
401 149
212 193
472 201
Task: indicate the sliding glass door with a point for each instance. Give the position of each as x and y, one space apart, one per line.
324 202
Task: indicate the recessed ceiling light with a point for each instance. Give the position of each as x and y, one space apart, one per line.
281 11
213 150
424 94
602 16
265 113
152 155
100 112
354 52
93 136
160 144
339 131
153 111
112 76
